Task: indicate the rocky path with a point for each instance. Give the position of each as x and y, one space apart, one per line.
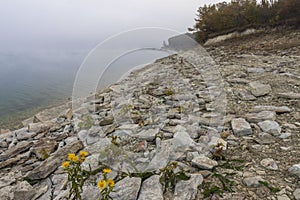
245 97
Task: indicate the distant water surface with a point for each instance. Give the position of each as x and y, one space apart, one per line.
31 81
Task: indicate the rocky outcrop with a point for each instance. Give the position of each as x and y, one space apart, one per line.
182 108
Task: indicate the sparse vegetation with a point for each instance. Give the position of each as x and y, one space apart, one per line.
169 178
222 18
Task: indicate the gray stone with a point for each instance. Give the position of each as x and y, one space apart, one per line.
108 120
285 135
289 95
94 134
253 181
151 189
60 181
6 193
258 89
162 156
44 147
131 127
204 162
23 190
187 190
22 134
283 197
127 189
241 127
261 116
271 127
295 169
48 194
82 135
7 179
277 109
182 141
246 95
191 155
50 164
15 150
297 194
90 192
91 161
265 138
269 163
95 148
148 135
38 127
255 70
68 114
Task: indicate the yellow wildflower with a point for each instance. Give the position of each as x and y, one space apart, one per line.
83 153
106 170
71 156
110 183
101 184
66 164
75 159
82 159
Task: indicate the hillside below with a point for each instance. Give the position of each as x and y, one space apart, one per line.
226 118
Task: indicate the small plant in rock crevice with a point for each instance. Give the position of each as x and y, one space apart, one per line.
76 174
106 185
223 182
169 178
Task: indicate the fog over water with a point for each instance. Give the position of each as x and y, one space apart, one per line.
43 43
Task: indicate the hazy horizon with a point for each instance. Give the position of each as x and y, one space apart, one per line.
55 24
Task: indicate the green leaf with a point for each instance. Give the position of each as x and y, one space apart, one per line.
182 176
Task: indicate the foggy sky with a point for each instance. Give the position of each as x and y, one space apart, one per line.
84 23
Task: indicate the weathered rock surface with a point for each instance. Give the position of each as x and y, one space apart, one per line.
271 127
295 169
241 127
204 162
181 108
289 95
253 181
151 189
188 189
50 164
261 116
258 89
127 188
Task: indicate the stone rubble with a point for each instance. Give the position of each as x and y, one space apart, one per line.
177 109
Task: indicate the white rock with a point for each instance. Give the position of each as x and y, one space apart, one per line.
204 162
283 197
241 127
253 181
285 135
277 109
127 188
182 141
148 135
261 116
289 95
269 163
297 194
295 169
187 190
271 127
151 189
258 89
